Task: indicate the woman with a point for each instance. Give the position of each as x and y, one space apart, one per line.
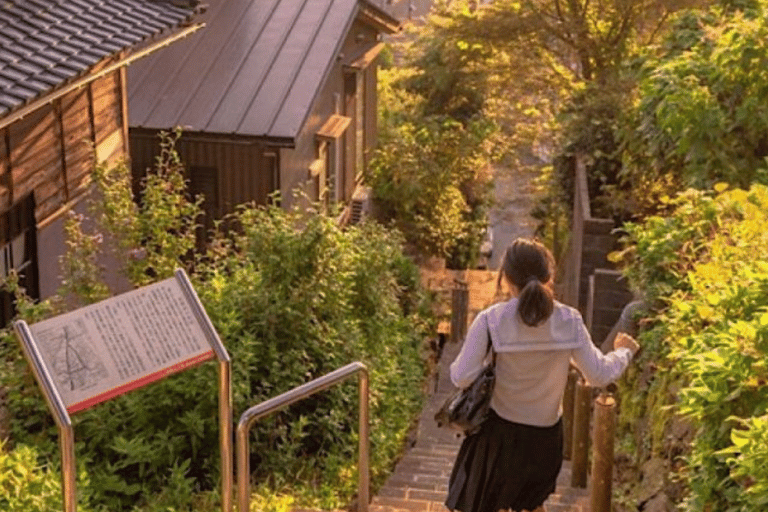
513 461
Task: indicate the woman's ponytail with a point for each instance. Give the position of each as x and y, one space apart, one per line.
536 303
529 266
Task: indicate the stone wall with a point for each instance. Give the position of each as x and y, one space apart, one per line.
607 296
587 280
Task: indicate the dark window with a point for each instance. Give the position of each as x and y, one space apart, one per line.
18 237
204 181
272 164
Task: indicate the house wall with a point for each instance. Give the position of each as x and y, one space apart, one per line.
339 95
242 166
49 155
294 171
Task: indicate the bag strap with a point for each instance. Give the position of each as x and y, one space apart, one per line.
490 344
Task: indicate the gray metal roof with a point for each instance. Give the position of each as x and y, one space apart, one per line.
255 69
47 43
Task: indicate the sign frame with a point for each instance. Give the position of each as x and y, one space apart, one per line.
61 414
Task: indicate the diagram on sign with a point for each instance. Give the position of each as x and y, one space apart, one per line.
68 350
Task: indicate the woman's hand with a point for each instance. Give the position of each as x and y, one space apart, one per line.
624 340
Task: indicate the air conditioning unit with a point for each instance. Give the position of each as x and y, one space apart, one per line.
360 206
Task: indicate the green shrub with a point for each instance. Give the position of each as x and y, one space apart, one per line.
700 113
703 269
430 177
293 296
430 174
26 485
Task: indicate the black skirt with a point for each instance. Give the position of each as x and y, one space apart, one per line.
506 465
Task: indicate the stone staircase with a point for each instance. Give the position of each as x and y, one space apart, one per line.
419 482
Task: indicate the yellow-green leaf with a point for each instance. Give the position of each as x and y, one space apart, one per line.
615 256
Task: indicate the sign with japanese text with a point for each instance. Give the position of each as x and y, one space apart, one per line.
120 344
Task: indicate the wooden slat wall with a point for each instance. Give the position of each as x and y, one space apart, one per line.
241 178
108 118
242 173
78 141
51 150
36 161
106 105
5 179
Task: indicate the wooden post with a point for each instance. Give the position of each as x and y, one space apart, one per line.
581 417
459 311
568 398
602 456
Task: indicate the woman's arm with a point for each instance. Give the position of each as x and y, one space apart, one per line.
469 362
598 368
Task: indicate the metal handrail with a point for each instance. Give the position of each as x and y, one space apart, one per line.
249 417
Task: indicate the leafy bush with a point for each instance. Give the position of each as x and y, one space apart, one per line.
25 484
700 115
708 344
429 176
293 296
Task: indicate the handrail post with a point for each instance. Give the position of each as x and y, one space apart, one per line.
225 434
568 400
602 457
581 414
250 416
364 479
459 310
243 467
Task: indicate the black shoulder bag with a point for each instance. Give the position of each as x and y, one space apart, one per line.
466 409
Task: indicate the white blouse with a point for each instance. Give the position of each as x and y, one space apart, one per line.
532 362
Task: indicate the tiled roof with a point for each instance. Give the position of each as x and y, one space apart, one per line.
255 70
46 43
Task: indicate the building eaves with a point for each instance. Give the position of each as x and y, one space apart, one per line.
379 18
47 44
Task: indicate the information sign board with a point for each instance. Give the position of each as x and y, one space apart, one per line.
122 343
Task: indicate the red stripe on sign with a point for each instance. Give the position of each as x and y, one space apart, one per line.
140 382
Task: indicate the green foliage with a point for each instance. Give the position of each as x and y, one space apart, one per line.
450 73
700 114
313 301
438 135
430 176
83 282
293 296
709 337
747 456
25 484
590 121
156 234
551 211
